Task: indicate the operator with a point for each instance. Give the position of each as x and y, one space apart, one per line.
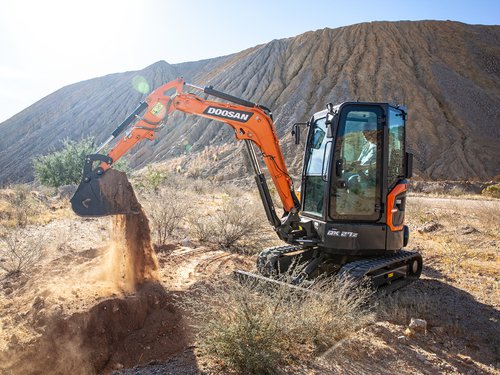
368 155
360 174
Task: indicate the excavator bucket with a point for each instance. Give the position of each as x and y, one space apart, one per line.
109 193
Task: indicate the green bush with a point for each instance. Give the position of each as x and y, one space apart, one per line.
492 191
65 166
154 179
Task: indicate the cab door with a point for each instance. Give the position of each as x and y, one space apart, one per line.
357 170
396 182
315 176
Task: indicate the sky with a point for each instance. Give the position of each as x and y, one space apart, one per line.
47 44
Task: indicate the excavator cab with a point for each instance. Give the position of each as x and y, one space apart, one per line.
354 177
353 199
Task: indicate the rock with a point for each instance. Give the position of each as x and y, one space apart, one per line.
186 242
430 226
8 291
67 191
467 230
418 325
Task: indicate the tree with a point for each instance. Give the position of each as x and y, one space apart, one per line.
65 166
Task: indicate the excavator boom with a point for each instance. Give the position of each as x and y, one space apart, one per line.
251 122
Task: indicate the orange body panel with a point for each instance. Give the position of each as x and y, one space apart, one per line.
257 127
391 198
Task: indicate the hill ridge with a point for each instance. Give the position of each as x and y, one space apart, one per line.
446 72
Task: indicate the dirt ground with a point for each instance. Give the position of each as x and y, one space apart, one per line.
71 314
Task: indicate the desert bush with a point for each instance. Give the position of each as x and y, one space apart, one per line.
153 179
231 226
64 167
20 206
166 211
256 332
457 191
492 191
19 253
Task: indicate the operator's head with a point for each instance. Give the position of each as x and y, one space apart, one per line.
370 135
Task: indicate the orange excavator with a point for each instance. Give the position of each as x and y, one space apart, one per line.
350 217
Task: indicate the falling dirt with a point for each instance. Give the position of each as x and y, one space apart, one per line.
130 259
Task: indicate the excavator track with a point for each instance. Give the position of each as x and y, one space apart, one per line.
267 262
387 273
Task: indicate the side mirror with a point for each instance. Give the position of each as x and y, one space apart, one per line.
330 120
296 131
408 165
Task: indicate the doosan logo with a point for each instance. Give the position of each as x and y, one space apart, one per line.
240 116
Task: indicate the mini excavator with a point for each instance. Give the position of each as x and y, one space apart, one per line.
349 219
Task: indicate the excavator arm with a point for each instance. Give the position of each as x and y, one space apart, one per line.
251 122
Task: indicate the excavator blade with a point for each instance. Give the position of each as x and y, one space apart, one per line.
266 283
107 194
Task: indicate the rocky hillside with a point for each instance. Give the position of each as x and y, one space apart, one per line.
447 73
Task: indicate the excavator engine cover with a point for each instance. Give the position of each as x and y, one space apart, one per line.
108 193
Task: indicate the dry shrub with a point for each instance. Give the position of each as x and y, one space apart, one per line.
257 332
492 191
166 211
151 180
20 206
232 226
19 253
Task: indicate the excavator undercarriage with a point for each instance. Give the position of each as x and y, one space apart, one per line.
302 266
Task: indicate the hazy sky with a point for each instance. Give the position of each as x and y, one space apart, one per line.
47 44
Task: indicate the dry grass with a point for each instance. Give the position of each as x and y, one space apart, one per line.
492 191
233 226
22 205
19 253
256 332
407 303
167 210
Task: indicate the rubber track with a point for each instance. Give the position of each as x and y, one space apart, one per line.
362 267
266 255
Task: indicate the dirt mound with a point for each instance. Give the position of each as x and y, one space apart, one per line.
101 310
115 333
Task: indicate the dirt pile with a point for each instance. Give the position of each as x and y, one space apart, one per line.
115 333
95 310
